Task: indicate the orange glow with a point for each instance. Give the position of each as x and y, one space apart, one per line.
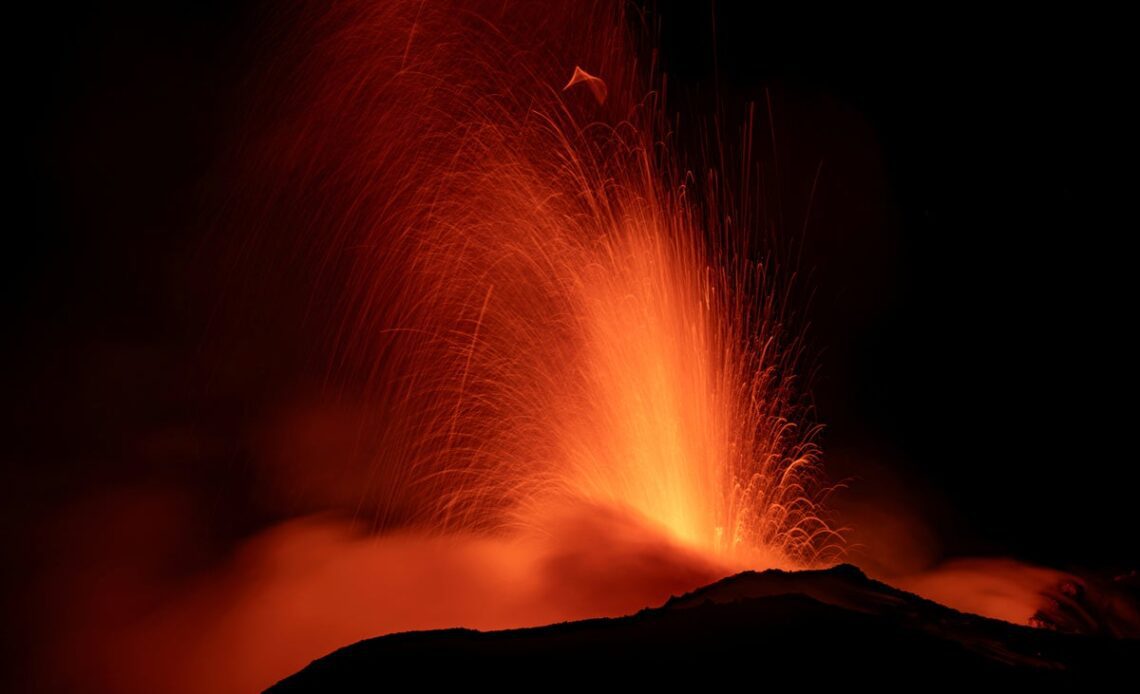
1003 589
306 588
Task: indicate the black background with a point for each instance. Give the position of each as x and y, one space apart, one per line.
970 244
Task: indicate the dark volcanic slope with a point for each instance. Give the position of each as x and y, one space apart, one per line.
810 626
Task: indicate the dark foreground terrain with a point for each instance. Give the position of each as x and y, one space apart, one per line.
807 627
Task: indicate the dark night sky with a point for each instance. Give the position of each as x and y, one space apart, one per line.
970 247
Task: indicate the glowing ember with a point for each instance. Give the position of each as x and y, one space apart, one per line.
596 84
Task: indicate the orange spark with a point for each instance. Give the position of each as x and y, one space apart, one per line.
596 84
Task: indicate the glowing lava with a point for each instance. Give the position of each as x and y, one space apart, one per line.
546 313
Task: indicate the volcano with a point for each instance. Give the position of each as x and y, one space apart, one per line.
498 338
822 625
